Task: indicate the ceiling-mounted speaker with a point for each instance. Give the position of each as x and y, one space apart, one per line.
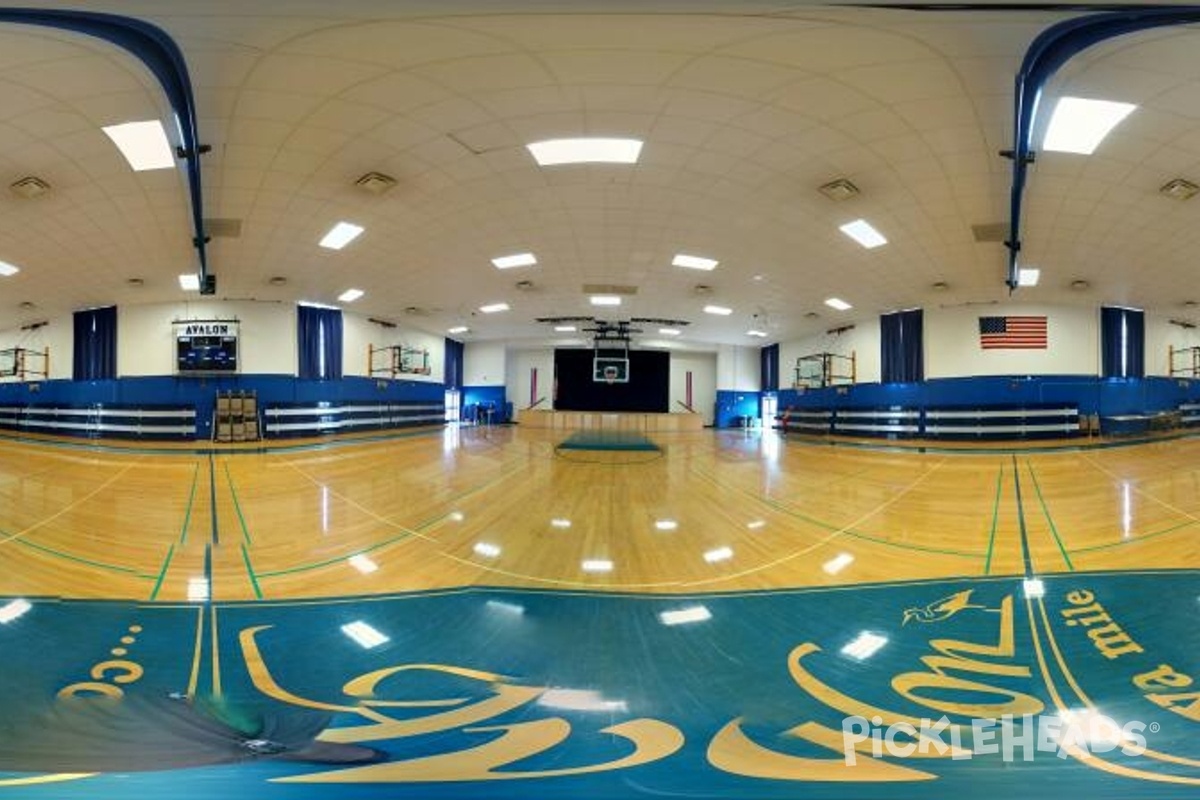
29 187
375 183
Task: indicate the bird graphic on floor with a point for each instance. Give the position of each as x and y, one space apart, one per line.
942 609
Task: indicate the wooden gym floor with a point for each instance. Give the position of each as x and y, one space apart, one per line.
782 542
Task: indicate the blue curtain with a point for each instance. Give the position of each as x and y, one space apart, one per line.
95 344
1122 342
769 368
901 343
453 362
319 332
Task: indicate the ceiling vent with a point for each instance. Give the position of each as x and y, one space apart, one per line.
223 227
277 280
940 286
839 190
375 183
525 286
1179 189
990 232
1080 285
608 288
30 187
702 289
135 283
25 305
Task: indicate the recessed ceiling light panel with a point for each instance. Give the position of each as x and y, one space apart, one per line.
554 152
8 270
350 295
694 262
494 308
720 311
1028 276
340 235
864 233
1079 125
838 303
605 300
189 282
144 144
515 260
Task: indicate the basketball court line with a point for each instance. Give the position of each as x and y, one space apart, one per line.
73 504
1138 490
1046 512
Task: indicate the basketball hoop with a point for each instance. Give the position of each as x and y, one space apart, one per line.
610 375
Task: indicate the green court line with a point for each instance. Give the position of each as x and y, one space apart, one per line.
336 559
81 560
187 514
250 571
236 505
1135 540
987 564
778 506
1045 510
162 573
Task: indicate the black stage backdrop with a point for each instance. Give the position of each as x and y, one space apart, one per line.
648 390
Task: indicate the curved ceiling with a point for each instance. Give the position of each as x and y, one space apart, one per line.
745 110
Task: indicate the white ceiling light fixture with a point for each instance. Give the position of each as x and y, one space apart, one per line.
494 308
720 311
669 331
189 282
458 329
350 295
864 233
839 304
757 334
144 144
694 262
553 152
1079 125
605 300
341 235
564 328
515 260
7 270
1028 276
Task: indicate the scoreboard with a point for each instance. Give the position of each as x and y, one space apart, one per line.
206 346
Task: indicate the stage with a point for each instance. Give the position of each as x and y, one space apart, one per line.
608 421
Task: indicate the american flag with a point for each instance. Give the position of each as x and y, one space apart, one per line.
1012 333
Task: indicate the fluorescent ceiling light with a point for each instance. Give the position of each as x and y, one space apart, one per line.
1034 587
189 282
838 563
341 235
597 565
666 524
1079 125
605 300
719 554
861 231
364 634
363 564
564 328
350 295
516 260
197 590
487 550
756 524
720 311
13 609
494 308
669 331
1028 276
560 523
759 334
682 616
458 329
694 262
585 151
144 144
7 269
579 700
840 305
865 646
